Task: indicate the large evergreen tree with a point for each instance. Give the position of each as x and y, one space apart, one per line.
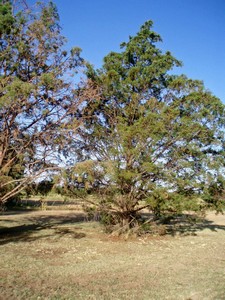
155 140
37 99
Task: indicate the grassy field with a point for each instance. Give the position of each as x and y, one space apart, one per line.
59 255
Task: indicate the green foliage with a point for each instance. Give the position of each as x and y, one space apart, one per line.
149 139
214 194
44 187
37 101
6 17
161 135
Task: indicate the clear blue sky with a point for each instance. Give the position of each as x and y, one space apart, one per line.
193 30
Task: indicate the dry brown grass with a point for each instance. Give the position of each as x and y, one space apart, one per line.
54 255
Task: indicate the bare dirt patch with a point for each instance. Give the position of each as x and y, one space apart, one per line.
59 255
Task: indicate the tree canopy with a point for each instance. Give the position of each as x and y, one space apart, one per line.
140 137
156 140
38 102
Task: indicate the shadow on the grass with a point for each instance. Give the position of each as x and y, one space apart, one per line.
192 228
46 226
35 224
188 224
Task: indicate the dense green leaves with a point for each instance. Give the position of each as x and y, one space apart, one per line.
6 17
162 135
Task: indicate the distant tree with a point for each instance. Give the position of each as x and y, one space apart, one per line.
155 140
44 187
38 103
214 193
